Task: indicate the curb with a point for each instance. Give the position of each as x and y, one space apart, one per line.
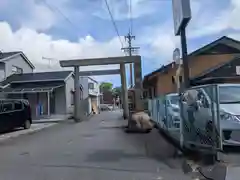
49 121
5 137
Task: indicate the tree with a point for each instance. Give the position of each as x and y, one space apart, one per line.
117 91
106 86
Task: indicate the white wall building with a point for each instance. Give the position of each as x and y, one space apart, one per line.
91 95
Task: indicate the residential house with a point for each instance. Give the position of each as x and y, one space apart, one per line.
214 59
14 63
49 93
91 94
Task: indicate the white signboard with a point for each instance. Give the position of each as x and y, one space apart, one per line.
238 70
176 56
181 14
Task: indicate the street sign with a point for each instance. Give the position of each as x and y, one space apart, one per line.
177 56
181 14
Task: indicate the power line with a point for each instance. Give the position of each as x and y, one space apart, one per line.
56 9
113 22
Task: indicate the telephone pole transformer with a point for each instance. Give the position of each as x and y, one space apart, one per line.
130 51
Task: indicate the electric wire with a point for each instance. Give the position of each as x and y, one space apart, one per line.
113 22
56 9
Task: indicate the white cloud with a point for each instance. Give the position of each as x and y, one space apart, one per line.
210 21
35 14
37 45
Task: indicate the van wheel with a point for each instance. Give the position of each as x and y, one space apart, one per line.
27 124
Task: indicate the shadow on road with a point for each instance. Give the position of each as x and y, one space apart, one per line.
10 131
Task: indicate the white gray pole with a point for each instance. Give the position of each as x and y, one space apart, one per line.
48 101
77 110
138 86
125 91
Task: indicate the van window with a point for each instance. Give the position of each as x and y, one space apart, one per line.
6 107
18 105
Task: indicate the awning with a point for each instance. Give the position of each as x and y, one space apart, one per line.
29 90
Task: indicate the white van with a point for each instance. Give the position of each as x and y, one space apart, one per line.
229 111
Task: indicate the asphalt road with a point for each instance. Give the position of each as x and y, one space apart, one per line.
96 149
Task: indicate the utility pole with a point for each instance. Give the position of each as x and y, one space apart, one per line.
130 50
49 60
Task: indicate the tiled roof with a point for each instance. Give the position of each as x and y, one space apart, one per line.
37 77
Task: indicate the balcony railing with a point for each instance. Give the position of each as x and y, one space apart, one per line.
93 91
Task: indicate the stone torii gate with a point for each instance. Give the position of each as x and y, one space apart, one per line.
136 60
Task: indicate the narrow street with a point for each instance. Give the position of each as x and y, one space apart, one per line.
94 149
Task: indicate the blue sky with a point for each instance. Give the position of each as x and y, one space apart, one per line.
40 28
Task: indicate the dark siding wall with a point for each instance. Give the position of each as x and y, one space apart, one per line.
228 70
107 97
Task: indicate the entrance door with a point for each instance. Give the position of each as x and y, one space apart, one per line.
52 102
33 101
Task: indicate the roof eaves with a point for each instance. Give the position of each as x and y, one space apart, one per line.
32 81
71 74
9 57
207 46
223 40
164 67
93 79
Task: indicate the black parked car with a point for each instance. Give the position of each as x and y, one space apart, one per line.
14 114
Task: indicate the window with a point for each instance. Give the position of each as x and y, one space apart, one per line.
72 97
173 79
14 69
18 105
81 94
229 94
150 93
6 107
174 99
145 94
202 99
180 79
17 70
155 92
167 102
90 85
